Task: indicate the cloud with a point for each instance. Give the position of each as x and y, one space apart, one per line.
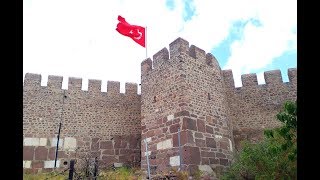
77 38
260 45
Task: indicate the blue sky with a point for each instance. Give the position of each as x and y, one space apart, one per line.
77 38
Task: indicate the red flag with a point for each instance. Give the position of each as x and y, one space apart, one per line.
136 33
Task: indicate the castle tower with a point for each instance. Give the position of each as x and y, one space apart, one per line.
184 88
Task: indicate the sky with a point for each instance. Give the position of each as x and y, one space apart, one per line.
77 38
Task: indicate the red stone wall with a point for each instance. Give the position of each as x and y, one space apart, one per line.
106 124
186 92
182 87
254 107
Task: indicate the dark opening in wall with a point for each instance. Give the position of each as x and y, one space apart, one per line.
154 99
209 96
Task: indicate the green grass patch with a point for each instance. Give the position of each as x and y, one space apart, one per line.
45 176
122 173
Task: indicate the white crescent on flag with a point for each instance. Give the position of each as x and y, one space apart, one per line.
140 35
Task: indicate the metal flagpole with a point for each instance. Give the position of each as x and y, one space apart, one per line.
146 43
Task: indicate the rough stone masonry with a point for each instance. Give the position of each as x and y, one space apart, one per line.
181 88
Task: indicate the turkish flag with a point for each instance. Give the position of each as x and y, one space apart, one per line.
136 33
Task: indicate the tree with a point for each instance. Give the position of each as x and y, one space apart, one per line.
275 157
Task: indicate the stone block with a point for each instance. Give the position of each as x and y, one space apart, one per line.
214 161
189 124
43 142
181 113
175 161
50 164
201 125
109 160
108 152
26 164
209 129
185 137
31 141
207 154
170 117
70 144
174 128
118 165
125 158
166 144
200 142
191 155
205 161
53 142
210 142
224 162
52 153
198 135
220 155
28 153
205 168
106 145
37 164
125 151
224 145
41 153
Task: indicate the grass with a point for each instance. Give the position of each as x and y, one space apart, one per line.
122 173
44 176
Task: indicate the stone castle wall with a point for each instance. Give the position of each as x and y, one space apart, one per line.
254 106
106 124
181 88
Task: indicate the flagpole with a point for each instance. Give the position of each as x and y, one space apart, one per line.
146 43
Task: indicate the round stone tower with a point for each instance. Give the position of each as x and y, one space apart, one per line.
183 88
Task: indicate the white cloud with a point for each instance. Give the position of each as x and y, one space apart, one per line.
77 38
259 46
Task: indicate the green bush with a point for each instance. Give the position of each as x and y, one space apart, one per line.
273 158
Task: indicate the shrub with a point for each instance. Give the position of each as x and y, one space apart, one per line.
273 158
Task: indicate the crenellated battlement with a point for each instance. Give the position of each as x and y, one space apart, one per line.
272 78
182 87
74 84
196 52
33 81
54 82
178 47
292 74
94 85
249 79
160 57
